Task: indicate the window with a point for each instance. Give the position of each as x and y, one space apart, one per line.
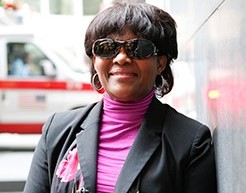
25 60
91 7
61 7
67 7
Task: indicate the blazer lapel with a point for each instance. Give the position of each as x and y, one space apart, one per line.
87 141
146 142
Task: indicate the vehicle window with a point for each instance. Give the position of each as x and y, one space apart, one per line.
25 60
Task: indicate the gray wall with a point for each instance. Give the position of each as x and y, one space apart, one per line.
212 40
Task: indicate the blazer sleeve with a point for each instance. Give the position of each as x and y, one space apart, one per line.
38 179
200 172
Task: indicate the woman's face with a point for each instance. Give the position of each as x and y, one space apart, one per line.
126 79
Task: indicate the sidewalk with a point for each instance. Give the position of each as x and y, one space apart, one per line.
16 153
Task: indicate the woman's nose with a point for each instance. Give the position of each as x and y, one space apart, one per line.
121 57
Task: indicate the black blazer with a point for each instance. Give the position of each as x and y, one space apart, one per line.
171 153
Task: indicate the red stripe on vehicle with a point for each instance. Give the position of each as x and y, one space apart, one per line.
46 85
21 128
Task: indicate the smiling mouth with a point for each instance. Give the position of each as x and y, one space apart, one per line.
123 74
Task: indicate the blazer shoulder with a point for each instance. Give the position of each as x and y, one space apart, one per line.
182 129
61 123
183 133
181 121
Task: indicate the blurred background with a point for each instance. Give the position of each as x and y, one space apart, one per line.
43 69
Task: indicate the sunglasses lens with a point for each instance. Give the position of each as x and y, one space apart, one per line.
136 48
105 48
140 48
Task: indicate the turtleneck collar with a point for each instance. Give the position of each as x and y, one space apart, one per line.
126 111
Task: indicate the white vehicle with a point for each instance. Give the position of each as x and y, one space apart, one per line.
36 81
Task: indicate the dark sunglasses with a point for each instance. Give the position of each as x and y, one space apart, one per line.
135 48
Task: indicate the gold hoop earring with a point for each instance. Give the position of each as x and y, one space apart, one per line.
96 84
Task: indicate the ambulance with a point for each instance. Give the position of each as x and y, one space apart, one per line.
37 81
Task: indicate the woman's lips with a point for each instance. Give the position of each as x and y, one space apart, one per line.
123 74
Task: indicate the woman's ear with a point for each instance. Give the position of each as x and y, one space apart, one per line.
161 63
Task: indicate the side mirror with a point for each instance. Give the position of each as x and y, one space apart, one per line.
49 69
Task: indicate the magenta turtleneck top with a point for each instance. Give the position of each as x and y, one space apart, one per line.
120 124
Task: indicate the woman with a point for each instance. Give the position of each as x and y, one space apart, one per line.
129 141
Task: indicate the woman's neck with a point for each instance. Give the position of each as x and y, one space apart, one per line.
126 111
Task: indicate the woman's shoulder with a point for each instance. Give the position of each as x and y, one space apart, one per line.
62 123
174 120
70 116
173 116
187 138
177 124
